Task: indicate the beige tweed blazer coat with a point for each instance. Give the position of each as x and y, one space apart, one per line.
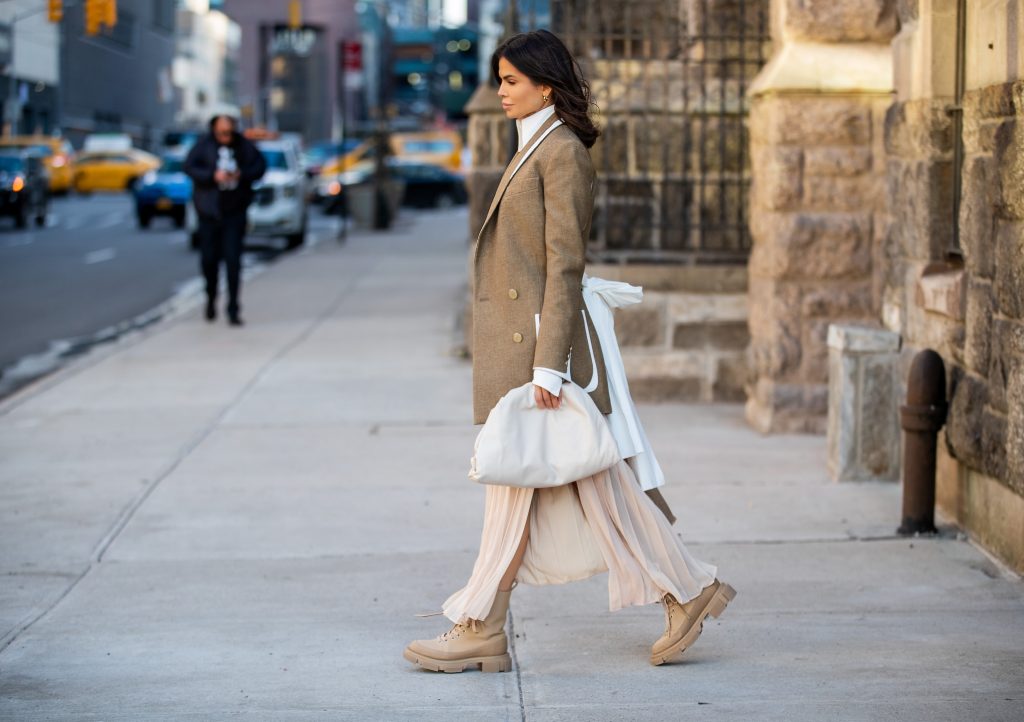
528 259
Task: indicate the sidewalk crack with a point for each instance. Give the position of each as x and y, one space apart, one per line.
515 664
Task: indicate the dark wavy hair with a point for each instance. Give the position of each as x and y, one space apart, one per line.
545 60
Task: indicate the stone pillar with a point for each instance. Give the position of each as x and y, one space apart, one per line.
818 201
488 141
863 404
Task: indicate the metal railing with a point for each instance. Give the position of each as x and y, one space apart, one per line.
670 79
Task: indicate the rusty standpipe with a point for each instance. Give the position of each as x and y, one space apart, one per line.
921 418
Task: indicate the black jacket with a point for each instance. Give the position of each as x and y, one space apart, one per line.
201 164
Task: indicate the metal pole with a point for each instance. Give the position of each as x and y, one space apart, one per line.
921 418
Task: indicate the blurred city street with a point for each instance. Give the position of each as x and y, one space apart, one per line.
91 273
236 394
200 522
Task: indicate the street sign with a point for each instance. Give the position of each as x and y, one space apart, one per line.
352 55
289 41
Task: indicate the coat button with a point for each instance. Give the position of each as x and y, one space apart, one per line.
513 294
517 337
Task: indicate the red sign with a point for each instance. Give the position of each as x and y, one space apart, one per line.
353 55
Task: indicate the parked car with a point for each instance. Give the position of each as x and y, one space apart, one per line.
57 155
279 205
112 170
426 185
434 147
317 154
165 191
24 187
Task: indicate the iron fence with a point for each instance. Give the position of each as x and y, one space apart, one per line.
670 79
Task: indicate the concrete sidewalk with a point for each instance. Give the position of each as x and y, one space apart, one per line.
207 522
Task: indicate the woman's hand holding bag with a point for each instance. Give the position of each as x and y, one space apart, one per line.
522 445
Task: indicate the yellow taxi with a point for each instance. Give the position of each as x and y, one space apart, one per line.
56 153
442 148
112 170
435 147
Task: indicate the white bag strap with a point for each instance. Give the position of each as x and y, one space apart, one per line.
529 151
590 344
593 360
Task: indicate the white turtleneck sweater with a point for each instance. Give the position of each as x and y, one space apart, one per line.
526 127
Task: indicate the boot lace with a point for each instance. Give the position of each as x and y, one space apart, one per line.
459 629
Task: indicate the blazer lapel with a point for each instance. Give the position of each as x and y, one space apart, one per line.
511 169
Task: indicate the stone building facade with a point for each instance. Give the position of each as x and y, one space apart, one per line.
956 284
818 208
867 209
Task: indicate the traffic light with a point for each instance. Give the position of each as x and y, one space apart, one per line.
55 10
110 13
294 14
94 12
99 13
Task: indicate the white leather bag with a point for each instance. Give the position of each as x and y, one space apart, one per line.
521 445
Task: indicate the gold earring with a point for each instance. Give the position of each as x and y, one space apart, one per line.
544 98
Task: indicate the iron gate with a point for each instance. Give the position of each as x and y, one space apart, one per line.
669 78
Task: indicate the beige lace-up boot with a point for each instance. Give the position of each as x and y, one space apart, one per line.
684 622
477 643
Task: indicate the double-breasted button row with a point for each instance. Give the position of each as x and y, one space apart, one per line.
517 337
513 294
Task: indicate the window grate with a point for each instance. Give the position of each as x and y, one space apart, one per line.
670 79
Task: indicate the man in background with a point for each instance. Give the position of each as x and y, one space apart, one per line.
223 165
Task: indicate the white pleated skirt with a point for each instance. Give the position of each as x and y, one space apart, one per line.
604 523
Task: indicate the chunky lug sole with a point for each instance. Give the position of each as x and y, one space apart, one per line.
714 608
497 663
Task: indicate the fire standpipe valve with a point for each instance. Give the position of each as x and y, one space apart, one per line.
921 418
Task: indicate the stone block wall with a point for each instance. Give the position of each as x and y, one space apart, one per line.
818 206
687 340
985 430
965 302
817 217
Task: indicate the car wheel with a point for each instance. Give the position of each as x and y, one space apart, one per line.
193 240
41 217
144 219
296 239
21 216
444 201
179 218
130 185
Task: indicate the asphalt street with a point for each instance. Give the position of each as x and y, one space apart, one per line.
89 272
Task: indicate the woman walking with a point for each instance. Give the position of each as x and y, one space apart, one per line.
528 314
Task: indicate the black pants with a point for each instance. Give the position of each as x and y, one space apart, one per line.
222 239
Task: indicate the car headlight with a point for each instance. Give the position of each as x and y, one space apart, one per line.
150 178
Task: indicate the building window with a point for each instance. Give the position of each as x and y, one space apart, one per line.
163 15
121 35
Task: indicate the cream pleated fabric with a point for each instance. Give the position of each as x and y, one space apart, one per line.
602 523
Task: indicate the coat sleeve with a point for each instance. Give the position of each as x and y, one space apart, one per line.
196 167
254 165
568 178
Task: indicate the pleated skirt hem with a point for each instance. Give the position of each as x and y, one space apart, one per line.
602 523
